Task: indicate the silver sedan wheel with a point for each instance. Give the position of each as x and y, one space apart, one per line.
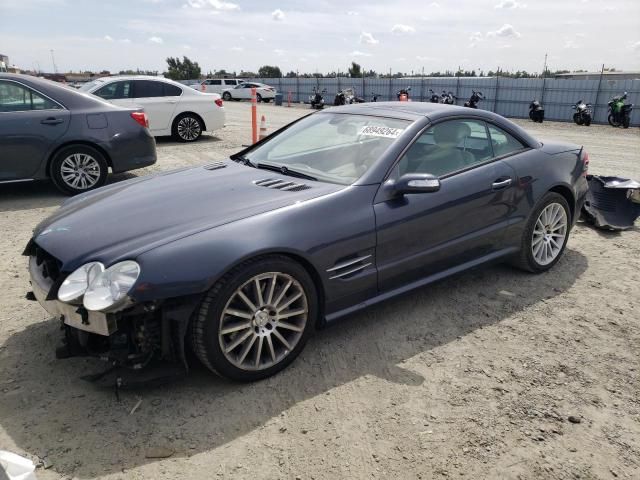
549 234
263 321
189 128
80 171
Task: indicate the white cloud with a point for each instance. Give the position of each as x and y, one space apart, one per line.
261 39
475 38
157 40
504 46
186 47
505 30
509 4
108 38
399 28
366 37
636 46
569 43
352 13
237 49
277 15
215 4
358 53
125 40
279 52
434 5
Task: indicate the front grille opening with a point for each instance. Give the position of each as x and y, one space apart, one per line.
48 263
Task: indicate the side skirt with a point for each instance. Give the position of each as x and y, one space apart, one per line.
420 283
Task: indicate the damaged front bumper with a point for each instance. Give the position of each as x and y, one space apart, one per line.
135 337
612 203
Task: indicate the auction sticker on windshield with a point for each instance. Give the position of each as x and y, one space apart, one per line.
375 131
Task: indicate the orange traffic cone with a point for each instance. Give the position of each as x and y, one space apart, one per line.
263 128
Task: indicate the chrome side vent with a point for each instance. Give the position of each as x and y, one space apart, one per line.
280 184
349 267
214 166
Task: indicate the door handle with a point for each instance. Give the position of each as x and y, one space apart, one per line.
500 184
172 101
52 121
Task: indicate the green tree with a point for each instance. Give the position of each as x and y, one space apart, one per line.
355 70
291 74
182 70
268 71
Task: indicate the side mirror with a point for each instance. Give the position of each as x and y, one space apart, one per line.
415 183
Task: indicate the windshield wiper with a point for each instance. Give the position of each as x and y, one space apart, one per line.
242 159
284 170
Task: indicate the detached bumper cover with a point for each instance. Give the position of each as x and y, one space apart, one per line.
612 203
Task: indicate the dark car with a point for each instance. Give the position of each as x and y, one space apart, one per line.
242 259
48 130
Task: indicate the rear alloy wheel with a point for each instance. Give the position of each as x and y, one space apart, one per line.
187 128
226 96
256 320
78 168
546 234
258 97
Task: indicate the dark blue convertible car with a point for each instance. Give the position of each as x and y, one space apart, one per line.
241 260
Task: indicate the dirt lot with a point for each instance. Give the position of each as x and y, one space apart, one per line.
474 377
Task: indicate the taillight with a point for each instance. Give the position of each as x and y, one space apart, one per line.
218 101
141 118
585 163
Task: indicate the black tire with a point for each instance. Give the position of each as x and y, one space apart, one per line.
226 96
205 325
525 259
258 97
266 100
587 121
187 127
626 121
612 121
100 167
531 115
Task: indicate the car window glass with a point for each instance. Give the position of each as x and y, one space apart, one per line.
172 90
148 89
503 143
114 91
336 148
215 82
16 98
447 147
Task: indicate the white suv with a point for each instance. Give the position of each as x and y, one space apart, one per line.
218 85
172 108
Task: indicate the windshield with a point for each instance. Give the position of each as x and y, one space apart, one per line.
332 147
89 85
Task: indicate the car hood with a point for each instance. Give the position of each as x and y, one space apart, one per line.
127 218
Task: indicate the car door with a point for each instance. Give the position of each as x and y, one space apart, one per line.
242 91
214 85
30 123
150 95
421 234
118 93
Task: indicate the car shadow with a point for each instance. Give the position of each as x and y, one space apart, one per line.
170 141
203 412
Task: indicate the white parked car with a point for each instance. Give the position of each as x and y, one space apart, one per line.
264 93
218 85
172 108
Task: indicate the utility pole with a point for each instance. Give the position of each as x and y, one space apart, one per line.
544 75
53 60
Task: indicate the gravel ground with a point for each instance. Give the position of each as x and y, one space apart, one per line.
492 374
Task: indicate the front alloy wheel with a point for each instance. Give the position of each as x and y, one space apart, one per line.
256 319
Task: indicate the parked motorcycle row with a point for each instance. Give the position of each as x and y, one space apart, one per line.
619 111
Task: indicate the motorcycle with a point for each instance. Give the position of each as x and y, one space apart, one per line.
347 96
583 113
374 97
619 112
473 101
316 99
448 98
403 94
434 98
536 112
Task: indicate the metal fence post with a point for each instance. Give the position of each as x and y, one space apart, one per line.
390 88
297 88
595 105
457 85
495 98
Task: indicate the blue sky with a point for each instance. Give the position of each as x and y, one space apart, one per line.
322 35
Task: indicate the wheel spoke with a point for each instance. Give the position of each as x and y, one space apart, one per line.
282 293
259 351
258 292
238 341
272 352
236 328
272 287
238 313
291 313
246 300
279 336
289 326
289 301
246 348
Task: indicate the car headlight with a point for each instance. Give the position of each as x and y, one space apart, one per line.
111 286
77 283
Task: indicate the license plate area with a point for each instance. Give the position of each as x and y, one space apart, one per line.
94 322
